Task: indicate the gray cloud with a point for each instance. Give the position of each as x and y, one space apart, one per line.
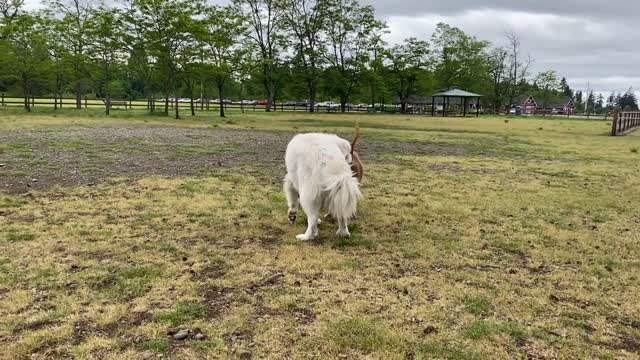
586 41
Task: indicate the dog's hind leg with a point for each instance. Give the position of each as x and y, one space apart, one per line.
343 228
293 200
311 207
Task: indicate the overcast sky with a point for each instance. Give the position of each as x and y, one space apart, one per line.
587 41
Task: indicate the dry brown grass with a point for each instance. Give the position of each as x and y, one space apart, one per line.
523 244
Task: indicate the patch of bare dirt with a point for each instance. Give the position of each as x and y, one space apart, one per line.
86 156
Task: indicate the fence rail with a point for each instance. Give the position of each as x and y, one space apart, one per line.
624 122
205 105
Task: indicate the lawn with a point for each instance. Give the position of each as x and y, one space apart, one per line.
489 238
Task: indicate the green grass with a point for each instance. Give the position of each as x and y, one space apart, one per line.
475 239
477 305
183 313
365 335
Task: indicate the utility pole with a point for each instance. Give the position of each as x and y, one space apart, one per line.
586 103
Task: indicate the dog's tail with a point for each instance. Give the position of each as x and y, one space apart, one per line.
343 195
356 139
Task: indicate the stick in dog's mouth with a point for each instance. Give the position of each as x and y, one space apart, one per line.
357 167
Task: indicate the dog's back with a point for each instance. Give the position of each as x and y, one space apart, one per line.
318 168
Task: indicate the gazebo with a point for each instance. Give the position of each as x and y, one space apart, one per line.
456 94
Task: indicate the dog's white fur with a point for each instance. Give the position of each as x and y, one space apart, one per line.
319 176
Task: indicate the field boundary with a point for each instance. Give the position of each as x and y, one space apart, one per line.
625 122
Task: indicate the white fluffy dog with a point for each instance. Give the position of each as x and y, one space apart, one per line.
320 176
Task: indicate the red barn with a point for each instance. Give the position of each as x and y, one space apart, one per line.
527 104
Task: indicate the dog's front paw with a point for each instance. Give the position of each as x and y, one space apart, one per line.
343 234
292 217
303 237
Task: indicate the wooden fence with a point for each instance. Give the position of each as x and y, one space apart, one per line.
624 122
205 105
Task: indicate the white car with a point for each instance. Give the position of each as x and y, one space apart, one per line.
328 105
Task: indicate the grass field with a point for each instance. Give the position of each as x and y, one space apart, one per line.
486 238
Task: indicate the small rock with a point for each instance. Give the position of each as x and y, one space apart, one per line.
3 165
430 330
245 354
148 355
199 336
559 332
182 334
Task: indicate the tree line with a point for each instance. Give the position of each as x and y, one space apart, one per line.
267 49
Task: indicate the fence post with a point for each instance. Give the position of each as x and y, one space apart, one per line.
3 99
614 123
85 101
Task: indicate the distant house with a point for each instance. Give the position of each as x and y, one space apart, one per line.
528 104
555 106
561 107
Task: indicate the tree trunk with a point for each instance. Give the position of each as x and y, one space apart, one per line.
107 103
27 104
193 109
403 107
78 89
312 97
177 107
221 102
271 95
343 104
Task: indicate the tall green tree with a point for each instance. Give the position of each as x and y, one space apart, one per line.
74 18
374 77
407 66
547 82
106 51
628 101
170 26
9 10
141 65
497 70
351 33
25 57
222 34
591 102
565 88
305 20
266 30
460 60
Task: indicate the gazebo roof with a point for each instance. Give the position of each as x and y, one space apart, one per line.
457 93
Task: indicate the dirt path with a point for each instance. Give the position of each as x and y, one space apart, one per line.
77 156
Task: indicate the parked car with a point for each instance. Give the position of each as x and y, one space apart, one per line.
249 102
227 101
303 103
262 102
290 103
328 105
